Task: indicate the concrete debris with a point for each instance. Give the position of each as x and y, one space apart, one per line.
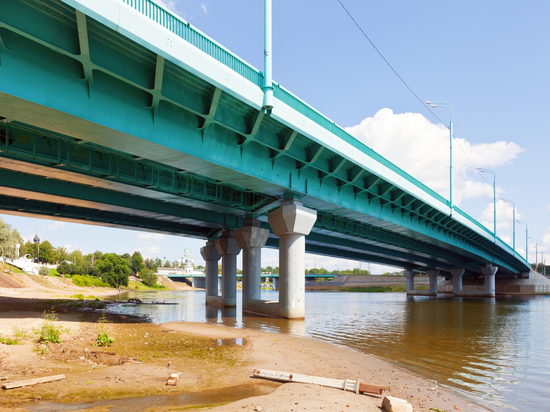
173 379
393 404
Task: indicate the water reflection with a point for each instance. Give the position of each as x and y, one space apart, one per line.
491 347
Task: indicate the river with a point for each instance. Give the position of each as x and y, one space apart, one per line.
492 350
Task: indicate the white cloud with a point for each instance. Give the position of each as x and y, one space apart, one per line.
505 216
204 9
56 226
421 148
150 236
149 252
71 248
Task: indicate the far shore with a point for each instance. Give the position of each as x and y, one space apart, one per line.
216 362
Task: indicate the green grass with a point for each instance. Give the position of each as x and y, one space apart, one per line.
54 272
14 269
135 285
80 280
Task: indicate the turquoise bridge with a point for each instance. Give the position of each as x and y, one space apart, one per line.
118 113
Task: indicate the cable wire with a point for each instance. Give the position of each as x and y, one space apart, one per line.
409 88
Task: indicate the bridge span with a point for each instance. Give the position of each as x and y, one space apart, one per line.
119 113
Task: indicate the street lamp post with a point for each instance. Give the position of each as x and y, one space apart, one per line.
513 221
494 199
450 109
526 239
536 252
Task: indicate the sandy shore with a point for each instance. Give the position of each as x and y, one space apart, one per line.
215 362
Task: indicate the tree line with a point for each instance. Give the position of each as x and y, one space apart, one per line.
321 271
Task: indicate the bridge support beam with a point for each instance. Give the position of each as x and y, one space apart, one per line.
457 280
251 238
409 274
211 257
433 274
489 273
227 247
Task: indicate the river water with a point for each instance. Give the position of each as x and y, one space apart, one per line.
495 351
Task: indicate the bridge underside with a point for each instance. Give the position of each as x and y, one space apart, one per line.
98 129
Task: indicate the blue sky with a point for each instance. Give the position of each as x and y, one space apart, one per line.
489 60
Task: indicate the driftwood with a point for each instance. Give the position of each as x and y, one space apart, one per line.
357 386
30 382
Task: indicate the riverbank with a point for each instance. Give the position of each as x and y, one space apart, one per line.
216 364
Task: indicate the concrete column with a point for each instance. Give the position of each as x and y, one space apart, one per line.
227 247
211 257
433 274
457 279
291 223
489 273
251 238
409 274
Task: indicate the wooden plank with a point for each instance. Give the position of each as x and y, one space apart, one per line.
30 382
371 388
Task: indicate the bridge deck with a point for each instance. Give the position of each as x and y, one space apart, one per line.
161 129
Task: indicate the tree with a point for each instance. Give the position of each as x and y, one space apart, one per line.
47 253
62 254
136 263
113 269
64 268
148 276
8 239
167 264
76 257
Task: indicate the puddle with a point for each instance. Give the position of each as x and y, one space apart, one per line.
207 397
232 342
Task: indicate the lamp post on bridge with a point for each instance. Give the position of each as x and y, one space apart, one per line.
526 239
536 252
494 199
513 222
450 109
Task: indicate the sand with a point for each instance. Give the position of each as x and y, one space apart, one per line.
216 365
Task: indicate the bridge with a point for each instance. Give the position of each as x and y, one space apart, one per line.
119 113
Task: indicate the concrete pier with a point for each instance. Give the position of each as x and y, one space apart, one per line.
251 238
432 274
489 273
228 248
291 223
410 281
457 274
211 257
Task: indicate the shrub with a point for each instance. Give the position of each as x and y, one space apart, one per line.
44 271
148 276
102 338
20 333
50 331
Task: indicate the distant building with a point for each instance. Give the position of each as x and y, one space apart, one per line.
187 268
